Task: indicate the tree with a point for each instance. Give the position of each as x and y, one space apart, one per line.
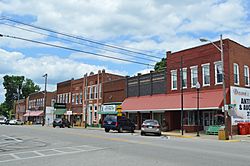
3 110
15 84
159 66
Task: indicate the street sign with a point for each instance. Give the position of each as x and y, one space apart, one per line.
69 112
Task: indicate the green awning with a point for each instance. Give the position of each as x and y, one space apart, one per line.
60 111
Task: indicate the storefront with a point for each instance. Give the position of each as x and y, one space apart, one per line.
35 117
166 108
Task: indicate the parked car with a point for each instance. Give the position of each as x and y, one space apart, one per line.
150 126
119 123
16 122
60 122
3 120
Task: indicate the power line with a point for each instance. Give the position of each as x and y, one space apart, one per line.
48 35
76 50
79 38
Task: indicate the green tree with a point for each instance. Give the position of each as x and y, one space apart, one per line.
159 66
3 110
15 84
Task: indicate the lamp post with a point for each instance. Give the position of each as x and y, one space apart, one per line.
85 98
223 76
45 93
198 86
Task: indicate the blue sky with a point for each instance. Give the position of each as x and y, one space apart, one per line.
147 26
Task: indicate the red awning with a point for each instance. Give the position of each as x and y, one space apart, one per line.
34 113
208 99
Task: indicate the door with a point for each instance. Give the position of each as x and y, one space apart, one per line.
208 119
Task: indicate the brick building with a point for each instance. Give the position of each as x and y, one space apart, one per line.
20 109
35 107
84 97
113 96
200 64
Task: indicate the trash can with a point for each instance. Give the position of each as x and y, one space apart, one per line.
223 134
243 129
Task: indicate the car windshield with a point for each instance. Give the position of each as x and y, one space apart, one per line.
151 122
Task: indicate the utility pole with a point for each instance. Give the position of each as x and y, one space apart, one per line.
86 97
45 96
181 87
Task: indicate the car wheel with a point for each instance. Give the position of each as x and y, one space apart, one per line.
159 134
142 133
106 130
120 130
54 126
132 129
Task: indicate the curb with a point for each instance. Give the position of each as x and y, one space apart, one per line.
176 135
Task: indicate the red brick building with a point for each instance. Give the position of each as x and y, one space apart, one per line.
84 97
200 64
35 107
20 109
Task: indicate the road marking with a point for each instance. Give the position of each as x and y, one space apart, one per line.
39 153
12 138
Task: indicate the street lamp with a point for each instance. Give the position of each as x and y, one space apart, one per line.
44 105
223 75
198 86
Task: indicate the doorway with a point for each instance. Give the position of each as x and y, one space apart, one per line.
208 119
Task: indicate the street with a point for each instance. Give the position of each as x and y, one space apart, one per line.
36 145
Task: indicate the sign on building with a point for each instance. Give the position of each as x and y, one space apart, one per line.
241 98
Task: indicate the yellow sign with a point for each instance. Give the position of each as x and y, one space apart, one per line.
119 114
119 108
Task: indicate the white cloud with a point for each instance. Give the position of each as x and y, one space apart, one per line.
58 69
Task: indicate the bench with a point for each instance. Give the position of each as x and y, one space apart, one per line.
213 130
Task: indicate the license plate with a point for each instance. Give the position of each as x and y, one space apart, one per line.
150 127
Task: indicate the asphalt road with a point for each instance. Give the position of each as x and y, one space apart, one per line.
46 146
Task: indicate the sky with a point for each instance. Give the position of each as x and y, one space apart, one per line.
144 29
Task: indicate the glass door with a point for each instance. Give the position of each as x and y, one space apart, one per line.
208 119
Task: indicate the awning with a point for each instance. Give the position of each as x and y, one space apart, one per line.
34 113
60 111
208 99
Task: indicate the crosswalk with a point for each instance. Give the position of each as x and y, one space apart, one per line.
24 155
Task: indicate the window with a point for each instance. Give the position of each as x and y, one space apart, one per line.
73 98
69 97
90 92
80 98
194 76
246 75
66 98
173 79
206 74
58 98
236 74
95 92
218 72
77 99
184 78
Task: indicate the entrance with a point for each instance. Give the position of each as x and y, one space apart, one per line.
208 119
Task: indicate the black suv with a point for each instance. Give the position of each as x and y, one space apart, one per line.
61 123
119 123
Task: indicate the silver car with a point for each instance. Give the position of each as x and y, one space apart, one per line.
151 126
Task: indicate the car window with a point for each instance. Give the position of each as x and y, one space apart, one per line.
110 118
151 122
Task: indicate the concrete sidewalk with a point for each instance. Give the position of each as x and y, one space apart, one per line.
177 133
234 138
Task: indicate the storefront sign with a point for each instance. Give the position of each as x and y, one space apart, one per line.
106 109
241 112
69 112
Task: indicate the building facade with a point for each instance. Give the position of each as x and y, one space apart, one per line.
201 65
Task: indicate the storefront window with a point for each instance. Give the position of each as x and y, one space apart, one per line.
133 117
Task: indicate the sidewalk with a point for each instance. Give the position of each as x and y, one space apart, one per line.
234 138
177 133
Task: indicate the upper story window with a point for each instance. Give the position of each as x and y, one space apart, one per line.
184 78
206 74
80 98
236 74
174 79
77 99
73 98
58 98
90 92
218 72
95 92
69 97
194 76
246 75
66 98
